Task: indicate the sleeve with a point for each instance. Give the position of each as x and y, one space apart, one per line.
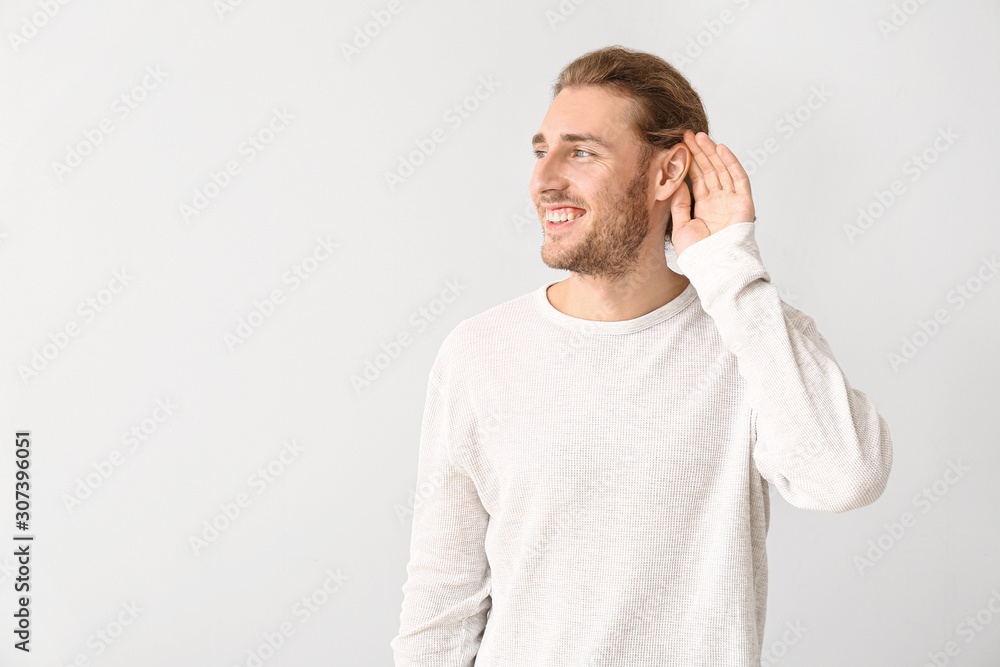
446 596
818 440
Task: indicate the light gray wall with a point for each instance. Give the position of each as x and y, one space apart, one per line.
459 217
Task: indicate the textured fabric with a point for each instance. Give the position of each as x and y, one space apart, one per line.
595 493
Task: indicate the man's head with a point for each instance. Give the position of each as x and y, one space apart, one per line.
612 145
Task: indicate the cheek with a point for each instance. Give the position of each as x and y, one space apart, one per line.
600 196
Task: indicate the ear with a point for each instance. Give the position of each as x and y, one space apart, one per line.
671 167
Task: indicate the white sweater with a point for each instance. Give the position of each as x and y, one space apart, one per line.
595 493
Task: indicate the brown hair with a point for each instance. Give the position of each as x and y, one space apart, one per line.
663 102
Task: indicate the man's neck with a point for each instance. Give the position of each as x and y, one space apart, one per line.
596 298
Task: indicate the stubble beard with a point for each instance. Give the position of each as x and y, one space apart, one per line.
610 248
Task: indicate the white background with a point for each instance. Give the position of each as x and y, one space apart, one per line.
341 504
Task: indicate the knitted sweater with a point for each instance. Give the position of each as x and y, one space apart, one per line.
595 493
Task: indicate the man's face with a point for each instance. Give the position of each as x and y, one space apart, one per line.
588 162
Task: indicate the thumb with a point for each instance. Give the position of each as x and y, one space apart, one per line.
680 205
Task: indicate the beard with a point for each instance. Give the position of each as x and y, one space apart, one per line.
610 246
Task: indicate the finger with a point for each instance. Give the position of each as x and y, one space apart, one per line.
721 171
699 187
708 170
741 182
680 205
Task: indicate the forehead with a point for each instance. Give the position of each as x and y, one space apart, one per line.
588 110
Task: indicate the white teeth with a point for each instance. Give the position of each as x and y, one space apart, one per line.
552 216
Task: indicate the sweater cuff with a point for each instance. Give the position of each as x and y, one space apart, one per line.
723 262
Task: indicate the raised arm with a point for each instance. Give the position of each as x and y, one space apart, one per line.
817 439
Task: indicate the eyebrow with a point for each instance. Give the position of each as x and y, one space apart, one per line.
585 137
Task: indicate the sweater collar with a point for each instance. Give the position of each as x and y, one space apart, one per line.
583 326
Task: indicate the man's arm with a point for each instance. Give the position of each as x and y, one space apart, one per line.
446 596
818 440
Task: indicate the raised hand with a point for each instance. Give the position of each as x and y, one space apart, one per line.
721 193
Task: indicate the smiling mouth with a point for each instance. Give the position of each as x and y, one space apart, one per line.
550 224
563 215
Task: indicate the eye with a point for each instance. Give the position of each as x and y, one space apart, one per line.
540 153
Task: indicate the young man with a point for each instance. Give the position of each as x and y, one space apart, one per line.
595 455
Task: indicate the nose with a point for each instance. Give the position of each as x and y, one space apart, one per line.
548 176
